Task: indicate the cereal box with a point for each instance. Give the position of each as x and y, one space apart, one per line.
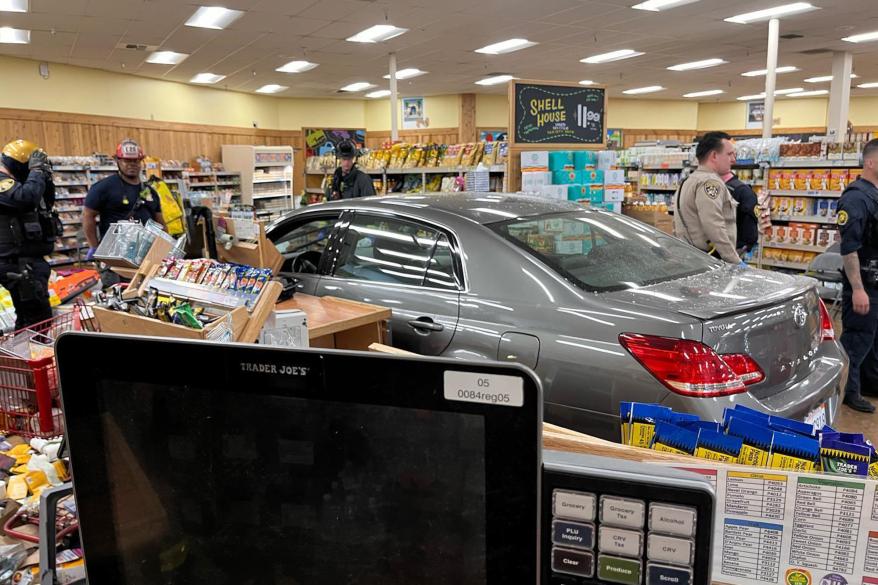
774 179
801 180
823 207
795 232
781 235
809 233
819 180
833 208
800 206
784 205
838 179
834 237
823 238
786 180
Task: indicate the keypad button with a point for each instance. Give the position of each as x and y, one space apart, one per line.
666 575
572 562
622 512
573 505
575 534
669 549
618 570
669 519
618 541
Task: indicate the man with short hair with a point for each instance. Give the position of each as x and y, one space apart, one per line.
858 223
704 213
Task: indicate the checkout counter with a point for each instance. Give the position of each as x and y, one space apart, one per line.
242 464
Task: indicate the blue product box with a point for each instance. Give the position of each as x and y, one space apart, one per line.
577 192
561 160
585 159
567 178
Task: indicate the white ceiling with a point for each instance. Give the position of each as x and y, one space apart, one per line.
442 37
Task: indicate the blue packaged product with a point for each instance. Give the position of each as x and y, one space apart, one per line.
843 458
755 418
681 417
701 425
561 160
566 178
585 159
786 425
794 453
643 420
669 438
757 439
717 446
576 192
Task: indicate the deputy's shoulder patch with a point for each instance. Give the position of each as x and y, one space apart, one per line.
842 217
712 190
6 185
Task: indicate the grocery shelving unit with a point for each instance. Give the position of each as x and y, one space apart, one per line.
266 177
424 172
222 187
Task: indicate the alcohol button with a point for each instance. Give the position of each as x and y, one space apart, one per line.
572 562
573 505
575 534
622 512
618 541
666 575
676 520
669 549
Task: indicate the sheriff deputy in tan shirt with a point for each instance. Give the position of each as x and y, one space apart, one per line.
704 210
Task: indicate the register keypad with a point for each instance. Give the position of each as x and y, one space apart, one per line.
603 538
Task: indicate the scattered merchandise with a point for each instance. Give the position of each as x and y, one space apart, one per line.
128 243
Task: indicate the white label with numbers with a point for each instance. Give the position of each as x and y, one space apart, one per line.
484 388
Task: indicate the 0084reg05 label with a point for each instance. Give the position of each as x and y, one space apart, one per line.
484 388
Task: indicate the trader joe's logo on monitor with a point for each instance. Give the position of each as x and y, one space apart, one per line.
550 114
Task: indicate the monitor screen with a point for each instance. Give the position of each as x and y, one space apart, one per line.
358 471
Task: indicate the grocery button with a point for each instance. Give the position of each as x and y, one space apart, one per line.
617 541
677 520
664 575
622 512
616 570
573 505
573 534
572 562
669 549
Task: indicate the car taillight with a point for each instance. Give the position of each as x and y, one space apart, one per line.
827 331
686 367
745 367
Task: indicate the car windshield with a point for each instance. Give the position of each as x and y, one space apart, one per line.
603 251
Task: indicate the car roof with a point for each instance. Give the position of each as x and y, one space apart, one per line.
483 208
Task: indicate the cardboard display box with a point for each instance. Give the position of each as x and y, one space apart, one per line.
656 219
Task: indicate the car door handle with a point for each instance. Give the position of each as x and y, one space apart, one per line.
426 324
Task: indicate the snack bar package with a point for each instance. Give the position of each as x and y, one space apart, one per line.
794 453
718 447
756 440
669 438
843 458
644 418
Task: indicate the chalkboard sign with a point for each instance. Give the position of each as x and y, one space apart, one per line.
557 114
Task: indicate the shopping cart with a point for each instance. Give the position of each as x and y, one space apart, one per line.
29 400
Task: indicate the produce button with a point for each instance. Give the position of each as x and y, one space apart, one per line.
573 534
669 519
622 512
616 570
616 541
669 549
572 562
663 575
573 505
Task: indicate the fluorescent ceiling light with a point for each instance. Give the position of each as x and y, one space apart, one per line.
378 94
296 67
14 36
207 78
776 12
761 96
358 86
659 5
868 85
506 47
762 72
639 90
697 65
215 17
788 91
706 93
826 78
586 82
272 88
377 34
749 98
407 73
166 58
496 80
862 38
614 56
13 5
814 93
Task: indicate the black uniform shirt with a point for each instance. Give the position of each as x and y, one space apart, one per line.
748 220
354 184
115 200
856 210
18 197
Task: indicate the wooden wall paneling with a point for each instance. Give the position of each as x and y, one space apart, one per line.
468 118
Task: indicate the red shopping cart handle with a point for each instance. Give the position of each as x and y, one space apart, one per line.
10 529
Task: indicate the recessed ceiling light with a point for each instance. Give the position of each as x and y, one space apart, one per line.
776 12
697 65
495 80
748 98
378 94
358 86
868 85
214 17
814 93
826 78
377 34
639 90
296 67
14 36
407 73
13 5
506 47
789 91
272 88
207 78
863 38
613 56
698 94
586 82
167 58
761 72
659 5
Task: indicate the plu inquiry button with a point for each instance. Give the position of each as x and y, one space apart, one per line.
615 570
573 534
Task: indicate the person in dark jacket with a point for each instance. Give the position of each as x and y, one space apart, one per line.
348 181
747 212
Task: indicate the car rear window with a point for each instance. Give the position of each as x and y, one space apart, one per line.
603 251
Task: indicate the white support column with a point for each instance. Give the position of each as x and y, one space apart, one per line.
771 77
839 96
394 106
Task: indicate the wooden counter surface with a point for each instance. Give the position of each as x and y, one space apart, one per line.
340 323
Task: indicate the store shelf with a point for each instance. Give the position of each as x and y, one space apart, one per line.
193 185
804 218
800 247
316 190
66 262
273 164
71 223
198 292
70 169
658 188
794 193
815 164
330 171
68 197
261 181
781 264
228 184
270 196
73 184
662 168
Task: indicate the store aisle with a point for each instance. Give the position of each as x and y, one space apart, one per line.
850 421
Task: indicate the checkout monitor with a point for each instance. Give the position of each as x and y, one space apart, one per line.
229 464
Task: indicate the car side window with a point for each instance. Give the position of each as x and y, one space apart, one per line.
303 245
396 251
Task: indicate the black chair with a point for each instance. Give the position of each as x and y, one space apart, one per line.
827 269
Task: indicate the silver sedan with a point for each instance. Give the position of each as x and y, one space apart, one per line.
603 308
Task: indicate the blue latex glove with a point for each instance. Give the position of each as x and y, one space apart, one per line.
90 255
743 265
